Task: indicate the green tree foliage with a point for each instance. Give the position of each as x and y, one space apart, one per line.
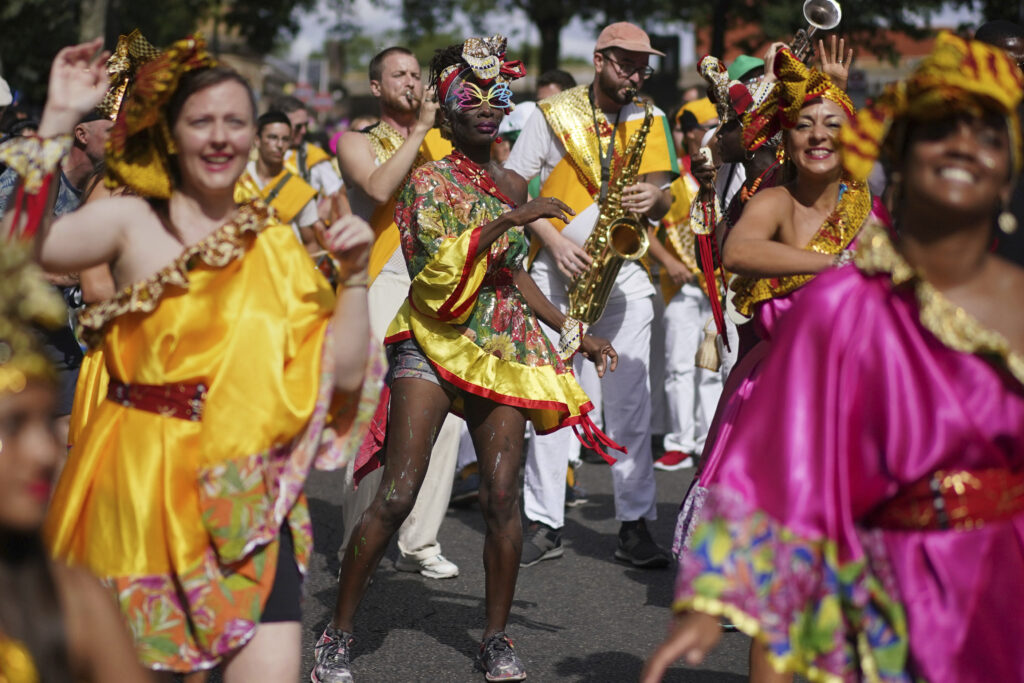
864 21
423 17
32 31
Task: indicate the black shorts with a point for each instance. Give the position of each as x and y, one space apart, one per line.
283 603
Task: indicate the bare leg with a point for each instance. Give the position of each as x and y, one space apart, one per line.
271 656
418 408
761 670
497 433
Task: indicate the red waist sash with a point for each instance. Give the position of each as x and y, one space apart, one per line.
183 401
961 500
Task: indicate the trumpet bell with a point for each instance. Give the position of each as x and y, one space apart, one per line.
823 15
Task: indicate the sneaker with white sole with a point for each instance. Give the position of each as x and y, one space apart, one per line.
332 657
498 659
433 567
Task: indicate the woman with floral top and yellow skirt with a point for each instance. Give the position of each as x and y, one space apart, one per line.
234 369
467 340
876 534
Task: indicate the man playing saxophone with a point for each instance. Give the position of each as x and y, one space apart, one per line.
577 143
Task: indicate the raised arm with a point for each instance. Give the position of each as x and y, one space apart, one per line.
358 162
349 239
752 249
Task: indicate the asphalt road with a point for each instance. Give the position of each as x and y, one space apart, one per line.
582 618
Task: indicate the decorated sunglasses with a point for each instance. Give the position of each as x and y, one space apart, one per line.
470 96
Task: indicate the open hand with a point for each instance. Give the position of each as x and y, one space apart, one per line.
541 207
349 240
835 63
599 352
78 78
693 635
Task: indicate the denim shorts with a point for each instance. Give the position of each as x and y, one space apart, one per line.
407 360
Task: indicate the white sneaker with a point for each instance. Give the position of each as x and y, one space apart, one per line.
434 567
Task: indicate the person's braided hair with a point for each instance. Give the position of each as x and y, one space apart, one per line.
443 58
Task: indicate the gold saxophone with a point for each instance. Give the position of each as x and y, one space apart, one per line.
618 236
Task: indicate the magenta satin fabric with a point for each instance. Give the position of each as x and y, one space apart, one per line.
855 401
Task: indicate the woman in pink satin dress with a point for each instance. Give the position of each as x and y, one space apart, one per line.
867 522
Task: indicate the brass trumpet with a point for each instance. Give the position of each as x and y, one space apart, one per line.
820 15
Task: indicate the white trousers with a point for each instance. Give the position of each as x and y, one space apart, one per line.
417 538
626 398
691 393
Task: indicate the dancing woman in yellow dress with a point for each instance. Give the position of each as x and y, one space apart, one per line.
230 376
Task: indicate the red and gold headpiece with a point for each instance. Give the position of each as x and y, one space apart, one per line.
958 76
140 142
483 61
797 85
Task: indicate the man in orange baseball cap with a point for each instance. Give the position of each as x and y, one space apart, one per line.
575 145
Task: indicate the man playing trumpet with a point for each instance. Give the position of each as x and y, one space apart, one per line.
576 144
374 164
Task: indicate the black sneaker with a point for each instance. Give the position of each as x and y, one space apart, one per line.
638 548
331 657
498 659
540 542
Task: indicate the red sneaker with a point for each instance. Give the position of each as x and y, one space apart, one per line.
673 460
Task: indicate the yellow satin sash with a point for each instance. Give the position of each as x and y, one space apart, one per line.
314 156
288 201
385 229
576 178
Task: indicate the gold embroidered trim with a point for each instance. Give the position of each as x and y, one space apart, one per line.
571 117
951 324
835 234
750 626
224 245
385 141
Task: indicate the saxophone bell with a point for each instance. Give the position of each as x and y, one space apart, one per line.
627 238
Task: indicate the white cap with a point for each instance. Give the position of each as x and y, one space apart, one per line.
518 118
5 93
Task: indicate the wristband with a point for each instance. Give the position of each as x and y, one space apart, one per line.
571 337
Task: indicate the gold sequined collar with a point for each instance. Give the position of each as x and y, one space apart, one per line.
949 323
224 245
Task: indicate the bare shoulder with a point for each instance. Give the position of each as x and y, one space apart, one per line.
123 209
353 142
771 197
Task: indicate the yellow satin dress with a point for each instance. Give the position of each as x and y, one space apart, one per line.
181 518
